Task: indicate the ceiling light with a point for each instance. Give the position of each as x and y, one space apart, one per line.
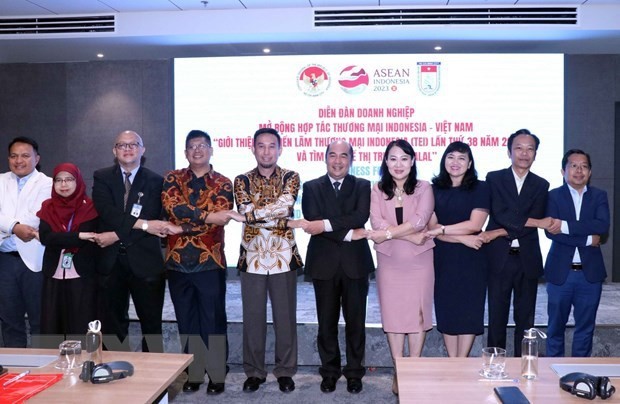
438 48
100 55
266 50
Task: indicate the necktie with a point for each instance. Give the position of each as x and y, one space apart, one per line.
337 187
127 187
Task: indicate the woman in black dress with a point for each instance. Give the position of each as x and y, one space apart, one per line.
68 223
462 204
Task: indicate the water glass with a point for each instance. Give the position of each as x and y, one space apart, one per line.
69 355
493 363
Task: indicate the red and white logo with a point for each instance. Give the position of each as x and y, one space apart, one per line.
353 80
428 77
313 80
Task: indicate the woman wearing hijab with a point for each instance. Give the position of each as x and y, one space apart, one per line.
67 229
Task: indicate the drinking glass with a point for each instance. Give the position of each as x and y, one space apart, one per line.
493 363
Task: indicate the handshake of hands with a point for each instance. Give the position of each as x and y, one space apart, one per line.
161 228
475 241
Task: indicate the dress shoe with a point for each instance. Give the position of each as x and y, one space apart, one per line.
190 387
328 384
252 384
215 388
286 384
354 385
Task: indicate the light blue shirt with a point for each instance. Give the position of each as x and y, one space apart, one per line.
577 200
132 176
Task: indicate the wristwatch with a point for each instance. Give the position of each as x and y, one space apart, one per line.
145 225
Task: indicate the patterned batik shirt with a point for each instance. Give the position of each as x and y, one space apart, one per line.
187 201
267 244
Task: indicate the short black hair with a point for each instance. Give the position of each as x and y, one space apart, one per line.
575 151
470 179
31 142
27 140
194 134
270 131
522 132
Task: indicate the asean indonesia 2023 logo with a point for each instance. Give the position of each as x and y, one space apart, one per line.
428 77
313 80
353 80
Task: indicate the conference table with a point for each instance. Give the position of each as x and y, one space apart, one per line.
153 373
457 380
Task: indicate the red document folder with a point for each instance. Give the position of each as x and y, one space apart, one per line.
26 387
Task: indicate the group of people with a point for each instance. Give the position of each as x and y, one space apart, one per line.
431 247
66 259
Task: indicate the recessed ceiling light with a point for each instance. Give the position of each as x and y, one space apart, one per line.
100 55
266 50
438 48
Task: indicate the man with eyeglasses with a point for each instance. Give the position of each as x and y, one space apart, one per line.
22 191
574 269
127 197
198 201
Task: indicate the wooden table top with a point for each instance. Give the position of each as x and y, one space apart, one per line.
452 380
153 373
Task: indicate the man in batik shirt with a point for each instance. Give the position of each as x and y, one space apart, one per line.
198 202
268 262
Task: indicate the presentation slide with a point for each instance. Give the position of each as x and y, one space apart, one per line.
369 100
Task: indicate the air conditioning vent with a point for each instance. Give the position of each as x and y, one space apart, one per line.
446 16
57 25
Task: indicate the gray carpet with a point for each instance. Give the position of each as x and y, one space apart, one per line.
377 389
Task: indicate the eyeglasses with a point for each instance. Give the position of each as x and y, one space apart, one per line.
127 146
68 180
199 146
575 166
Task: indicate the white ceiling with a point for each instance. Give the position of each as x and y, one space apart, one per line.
155 29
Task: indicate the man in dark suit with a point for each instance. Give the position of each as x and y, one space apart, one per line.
127 197
574 269
518 202
336 206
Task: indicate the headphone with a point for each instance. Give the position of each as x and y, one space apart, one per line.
105 372
587 386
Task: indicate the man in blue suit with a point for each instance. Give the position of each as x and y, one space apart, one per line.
574 269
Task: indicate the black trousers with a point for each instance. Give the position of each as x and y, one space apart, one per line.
331 295
502 285
148 298
199 300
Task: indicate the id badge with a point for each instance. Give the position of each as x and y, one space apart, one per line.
67 259
136 209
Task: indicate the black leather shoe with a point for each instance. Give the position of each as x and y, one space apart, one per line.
354 385
286 384
252 384
328 384
190 387
215 388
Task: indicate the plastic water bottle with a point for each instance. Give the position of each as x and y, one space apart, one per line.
94 343
529 353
